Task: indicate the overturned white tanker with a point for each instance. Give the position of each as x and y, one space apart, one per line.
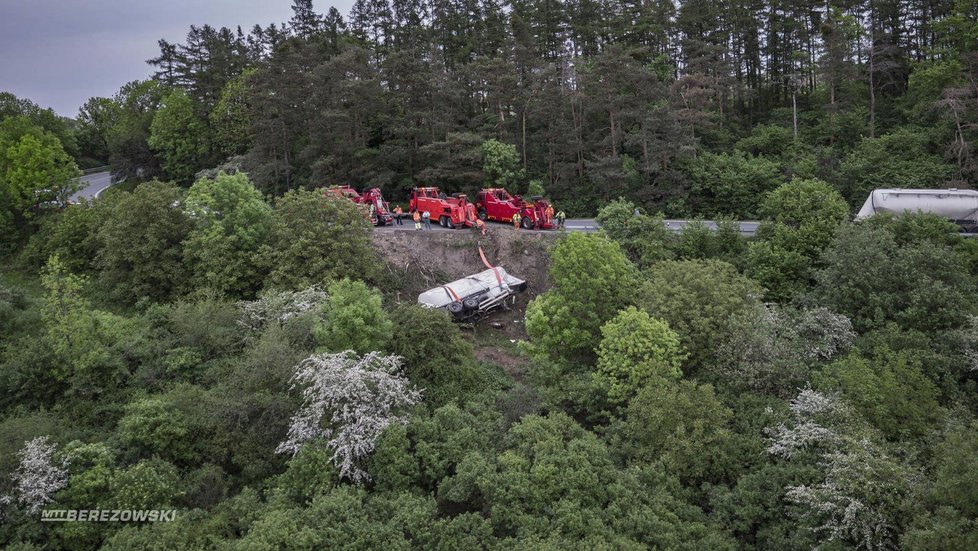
957 205
473 296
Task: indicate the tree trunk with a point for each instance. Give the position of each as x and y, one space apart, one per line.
524 134
794 112
614 143
872 91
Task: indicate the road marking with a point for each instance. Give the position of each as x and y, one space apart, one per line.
99 192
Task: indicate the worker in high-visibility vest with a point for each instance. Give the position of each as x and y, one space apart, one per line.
516 220
417 220
560 219
397 215
480 225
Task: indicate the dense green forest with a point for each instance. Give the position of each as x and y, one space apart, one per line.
693 108
219 338
250 365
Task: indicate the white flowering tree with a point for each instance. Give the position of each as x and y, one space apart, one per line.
806 429
970 338
348 401
863 493
772 348
39 476
279 307
823 333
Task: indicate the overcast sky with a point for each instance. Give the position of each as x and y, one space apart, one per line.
59 53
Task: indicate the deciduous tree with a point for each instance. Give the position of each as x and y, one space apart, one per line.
348 401
354 319
231 223
637 351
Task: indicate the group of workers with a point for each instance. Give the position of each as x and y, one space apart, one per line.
558 218
423 219
418 217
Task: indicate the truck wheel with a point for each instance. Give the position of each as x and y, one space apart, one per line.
482 215
471 303
456 308
527 223
441 221
448 223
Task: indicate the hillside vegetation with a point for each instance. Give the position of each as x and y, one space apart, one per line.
221 339
261 369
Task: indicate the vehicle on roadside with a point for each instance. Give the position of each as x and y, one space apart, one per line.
498 205
957 205
453 211
371 200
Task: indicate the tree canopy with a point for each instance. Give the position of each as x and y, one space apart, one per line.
220 337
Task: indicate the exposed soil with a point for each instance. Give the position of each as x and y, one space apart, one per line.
514 366
419 260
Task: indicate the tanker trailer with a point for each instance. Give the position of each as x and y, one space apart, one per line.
473 296
957 205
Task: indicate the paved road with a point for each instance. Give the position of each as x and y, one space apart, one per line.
92 186
588 225
576 224
747 228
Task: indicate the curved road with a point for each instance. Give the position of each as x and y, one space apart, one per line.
92 186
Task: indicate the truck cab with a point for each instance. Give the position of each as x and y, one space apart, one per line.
371 202
448 211
379 208
497 204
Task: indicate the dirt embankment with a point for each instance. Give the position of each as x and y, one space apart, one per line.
420 260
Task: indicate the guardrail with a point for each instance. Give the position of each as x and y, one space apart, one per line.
94 170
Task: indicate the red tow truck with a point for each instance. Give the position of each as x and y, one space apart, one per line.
497 204
449 211
375 208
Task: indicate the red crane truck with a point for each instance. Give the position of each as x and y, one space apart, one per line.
497 204
449 211
376 209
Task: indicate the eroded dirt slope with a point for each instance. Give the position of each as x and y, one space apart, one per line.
419 260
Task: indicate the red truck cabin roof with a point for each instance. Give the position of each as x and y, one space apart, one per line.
499 193
346 191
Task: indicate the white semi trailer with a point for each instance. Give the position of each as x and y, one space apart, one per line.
957 205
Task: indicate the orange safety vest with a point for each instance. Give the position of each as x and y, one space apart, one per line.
417 216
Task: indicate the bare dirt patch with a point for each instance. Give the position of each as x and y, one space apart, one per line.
512 364
419 260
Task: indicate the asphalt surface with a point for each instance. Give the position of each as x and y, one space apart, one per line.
92 186
577 224
747 228
587 225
